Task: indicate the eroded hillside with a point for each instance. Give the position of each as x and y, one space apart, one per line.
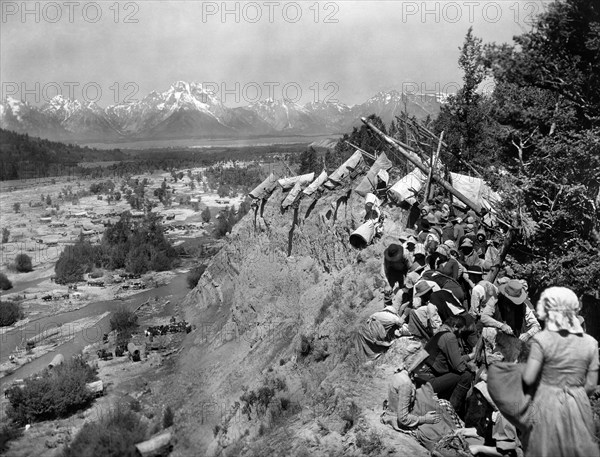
270 368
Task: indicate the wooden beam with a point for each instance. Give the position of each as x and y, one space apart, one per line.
434 158
461 160
365 153
445 184
508 240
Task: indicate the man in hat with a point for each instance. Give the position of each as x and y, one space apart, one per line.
459 230
404 298
409 246
510 314
447 304
425 231
432 218
423 318
448 370
395 265
469 233
446 264
447 230
468 257
482 291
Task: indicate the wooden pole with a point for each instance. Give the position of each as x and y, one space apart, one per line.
508 240
365 153
446 185
431 134
433 163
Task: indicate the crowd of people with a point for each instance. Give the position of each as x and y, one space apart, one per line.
481 360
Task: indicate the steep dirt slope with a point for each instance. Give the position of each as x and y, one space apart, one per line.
270 367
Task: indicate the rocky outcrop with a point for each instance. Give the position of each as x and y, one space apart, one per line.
270 368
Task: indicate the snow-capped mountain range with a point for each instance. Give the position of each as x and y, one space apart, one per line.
188 110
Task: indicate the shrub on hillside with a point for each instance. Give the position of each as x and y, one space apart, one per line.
115 435
8 431
226 221
57 393
205 215
194 276
10 312
23 263
5 283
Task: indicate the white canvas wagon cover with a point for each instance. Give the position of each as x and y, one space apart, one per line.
265 188
344 170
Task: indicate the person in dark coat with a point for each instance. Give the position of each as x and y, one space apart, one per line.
447 369
510 314
425 230
395 265
448 305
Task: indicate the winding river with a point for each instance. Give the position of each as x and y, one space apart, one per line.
176 289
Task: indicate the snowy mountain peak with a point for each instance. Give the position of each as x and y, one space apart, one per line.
62 107
16 107
189 109
180 86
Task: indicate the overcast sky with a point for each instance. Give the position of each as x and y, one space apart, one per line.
345 50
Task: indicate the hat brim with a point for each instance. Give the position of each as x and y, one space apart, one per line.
419 294
421 356
391 309
516 300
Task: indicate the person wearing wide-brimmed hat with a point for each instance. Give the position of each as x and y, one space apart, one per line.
395 266
423 318
409 245
482 291
425 230
563 368
446 264
510 314
412 405
468 256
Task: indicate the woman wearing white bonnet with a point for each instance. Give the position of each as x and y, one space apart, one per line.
563 365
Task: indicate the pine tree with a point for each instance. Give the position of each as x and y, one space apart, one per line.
309 162
465 118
